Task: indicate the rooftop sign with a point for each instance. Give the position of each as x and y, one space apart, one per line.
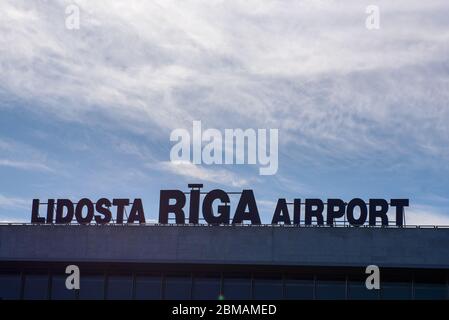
216 209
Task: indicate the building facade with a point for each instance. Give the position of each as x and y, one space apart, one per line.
222 262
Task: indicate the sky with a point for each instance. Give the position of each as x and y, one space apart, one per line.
88 112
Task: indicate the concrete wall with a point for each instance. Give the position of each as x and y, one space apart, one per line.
228 245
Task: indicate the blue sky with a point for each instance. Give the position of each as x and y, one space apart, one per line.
361 113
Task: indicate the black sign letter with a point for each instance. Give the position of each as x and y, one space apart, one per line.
165 207
247 199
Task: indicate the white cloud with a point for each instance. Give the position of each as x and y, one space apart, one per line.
426 215
10 219
198 173
309 68
24 165
14 202
14 154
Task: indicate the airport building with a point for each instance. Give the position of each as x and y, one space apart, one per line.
222 262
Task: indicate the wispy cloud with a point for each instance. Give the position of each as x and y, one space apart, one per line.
14 154
25 165
12 219
426 215
14 202
198 173
310 68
